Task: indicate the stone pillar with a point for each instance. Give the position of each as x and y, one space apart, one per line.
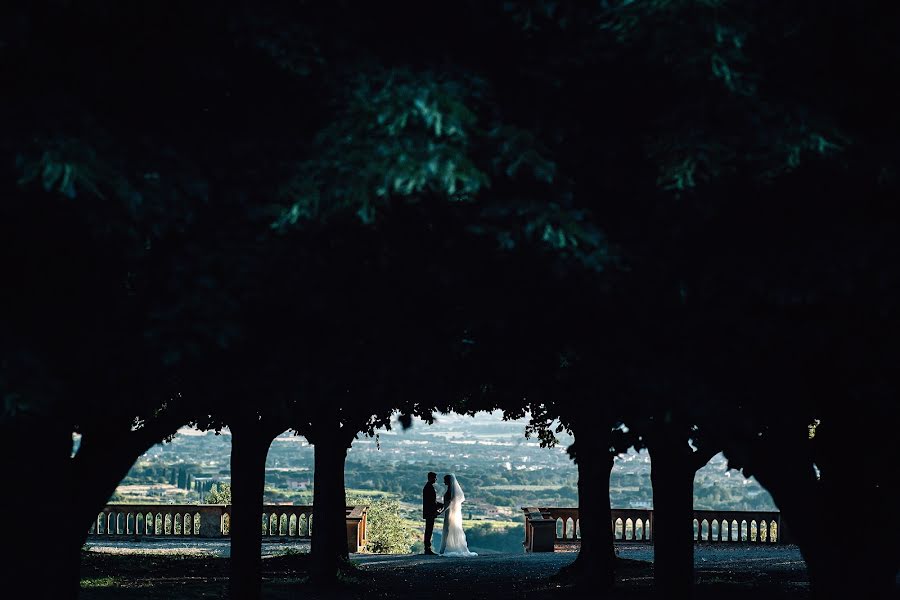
527 542
356 528
543 535
210 521
352 535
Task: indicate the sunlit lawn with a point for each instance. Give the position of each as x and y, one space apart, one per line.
523 488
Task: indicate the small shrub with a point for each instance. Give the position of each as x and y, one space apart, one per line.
219 494
386 531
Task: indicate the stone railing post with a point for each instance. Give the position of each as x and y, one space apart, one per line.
211 520
540 531
356 528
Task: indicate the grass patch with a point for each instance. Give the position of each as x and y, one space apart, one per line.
490 523
419 524
101 582
523 488
277 552
373 494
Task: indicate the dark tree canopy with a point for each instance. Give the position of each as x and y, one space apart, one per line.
671 218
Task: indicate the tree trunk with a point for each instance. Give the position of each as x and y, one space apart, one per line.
872 572
249 448
672 476
329 534
102 462
845 479
31 450
597 553
85 483
790 478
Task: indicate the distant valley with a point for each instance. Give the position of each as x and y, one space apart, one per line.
500 470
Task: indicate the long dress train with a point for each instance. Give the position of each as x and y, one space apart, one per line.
453 539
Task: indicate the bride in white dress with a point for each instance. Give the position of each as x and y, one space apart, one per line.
453 539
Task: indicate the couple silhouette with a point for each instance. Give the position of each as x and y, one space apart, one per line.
453 538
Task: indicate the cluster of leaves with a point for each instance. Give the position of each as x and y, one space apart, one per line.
395 135
387 532
218 494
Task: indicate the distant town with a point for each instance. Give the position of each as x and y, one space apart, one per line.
500 469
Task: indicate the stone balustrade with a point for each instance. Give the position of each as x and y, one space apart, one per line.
278 522
547 529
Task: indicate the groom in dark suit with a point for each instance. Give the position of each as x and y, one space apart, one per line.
430 509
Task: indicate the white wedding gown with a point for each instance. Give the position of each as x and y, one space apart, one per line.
453 539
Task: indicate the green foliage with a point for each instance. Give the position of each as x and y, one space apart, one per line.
487 536
411 136
102 582
720 104
386 531
395 134
68 168
218 494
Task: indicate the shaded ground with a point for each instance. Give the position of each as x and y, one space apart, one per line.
116 571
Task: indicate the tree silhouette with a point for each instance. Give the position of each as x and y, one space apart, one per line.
311 215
